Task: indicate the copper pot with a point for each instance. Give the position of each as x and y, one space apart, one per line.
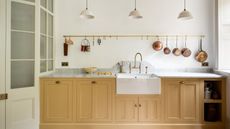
186 52
157 45
176 51
201 56
167 49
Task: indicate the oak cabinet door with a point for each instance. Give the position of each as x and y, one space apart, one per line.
94 99
126 108
102 100
182 100
172 101
190 101
56 100
149 108
84 100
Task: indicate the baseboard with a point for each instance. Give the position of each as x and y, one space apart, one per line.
131 126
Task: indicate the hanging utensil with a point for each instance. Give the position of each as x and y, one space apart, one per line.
69 41
99 41
65 47
85 45
177 51
186 52
157 45
167 49
93 40
201 56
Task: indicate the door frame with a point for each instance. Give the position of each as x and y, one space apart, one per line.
3 62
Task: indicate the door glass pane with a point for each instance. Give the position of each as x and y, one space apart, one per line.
50 65
50 25
22 45
43 66
22 17
43 21
50 5
43 47
50 49
22 74
43 3
30 0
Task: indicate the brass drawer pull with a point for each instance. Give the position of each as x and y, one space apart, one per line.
139 105
93 82
57 82
181 82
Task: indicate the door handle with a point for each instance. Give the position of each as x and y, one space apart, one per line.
3 96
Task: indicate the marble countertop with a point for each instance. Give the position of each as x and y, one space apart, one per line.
163 74
187 75
69 75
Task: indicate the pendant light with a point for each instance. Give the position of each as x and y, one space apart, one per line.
185 15
86 14
135 13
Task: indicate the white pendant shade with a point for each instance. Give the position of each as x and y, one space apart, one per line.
135 14
86 14
185 15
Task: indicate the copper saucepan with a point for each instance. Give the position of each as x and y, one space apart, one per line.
186 52
157 45
201 56
176 51
167 49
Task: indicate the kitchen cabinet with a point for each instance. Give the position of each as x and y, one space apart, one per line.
92 103
150 108
126 108
142 108
94 99
181 99
56 100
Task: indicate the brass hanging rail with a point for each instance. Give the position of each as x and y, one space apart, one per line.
133 36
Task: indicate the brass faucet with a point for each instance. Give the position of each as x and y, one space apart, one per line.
135 61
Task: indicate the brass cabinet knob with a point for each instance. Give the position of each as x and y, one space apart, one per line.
57 82
139 105
93 82
181 82
135 105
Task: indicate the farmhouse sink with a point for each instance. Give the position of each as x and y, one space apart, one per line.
138 84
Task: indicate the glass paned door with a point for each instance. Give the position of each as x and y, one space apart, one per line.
22 45
21 86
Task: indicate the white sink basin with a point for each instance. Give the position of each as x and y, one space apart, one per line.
138 84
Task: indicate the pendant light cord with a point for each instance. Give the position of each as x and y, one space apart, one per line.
135 4
86 4
184 4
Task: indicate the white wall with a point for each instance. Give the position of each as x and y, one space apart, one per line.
160 17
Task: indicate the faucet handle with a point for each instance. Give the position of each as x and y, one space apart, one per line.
130 67
146 69
140 68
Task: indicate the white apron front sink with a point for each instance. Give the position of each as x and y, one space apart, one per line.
138 84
